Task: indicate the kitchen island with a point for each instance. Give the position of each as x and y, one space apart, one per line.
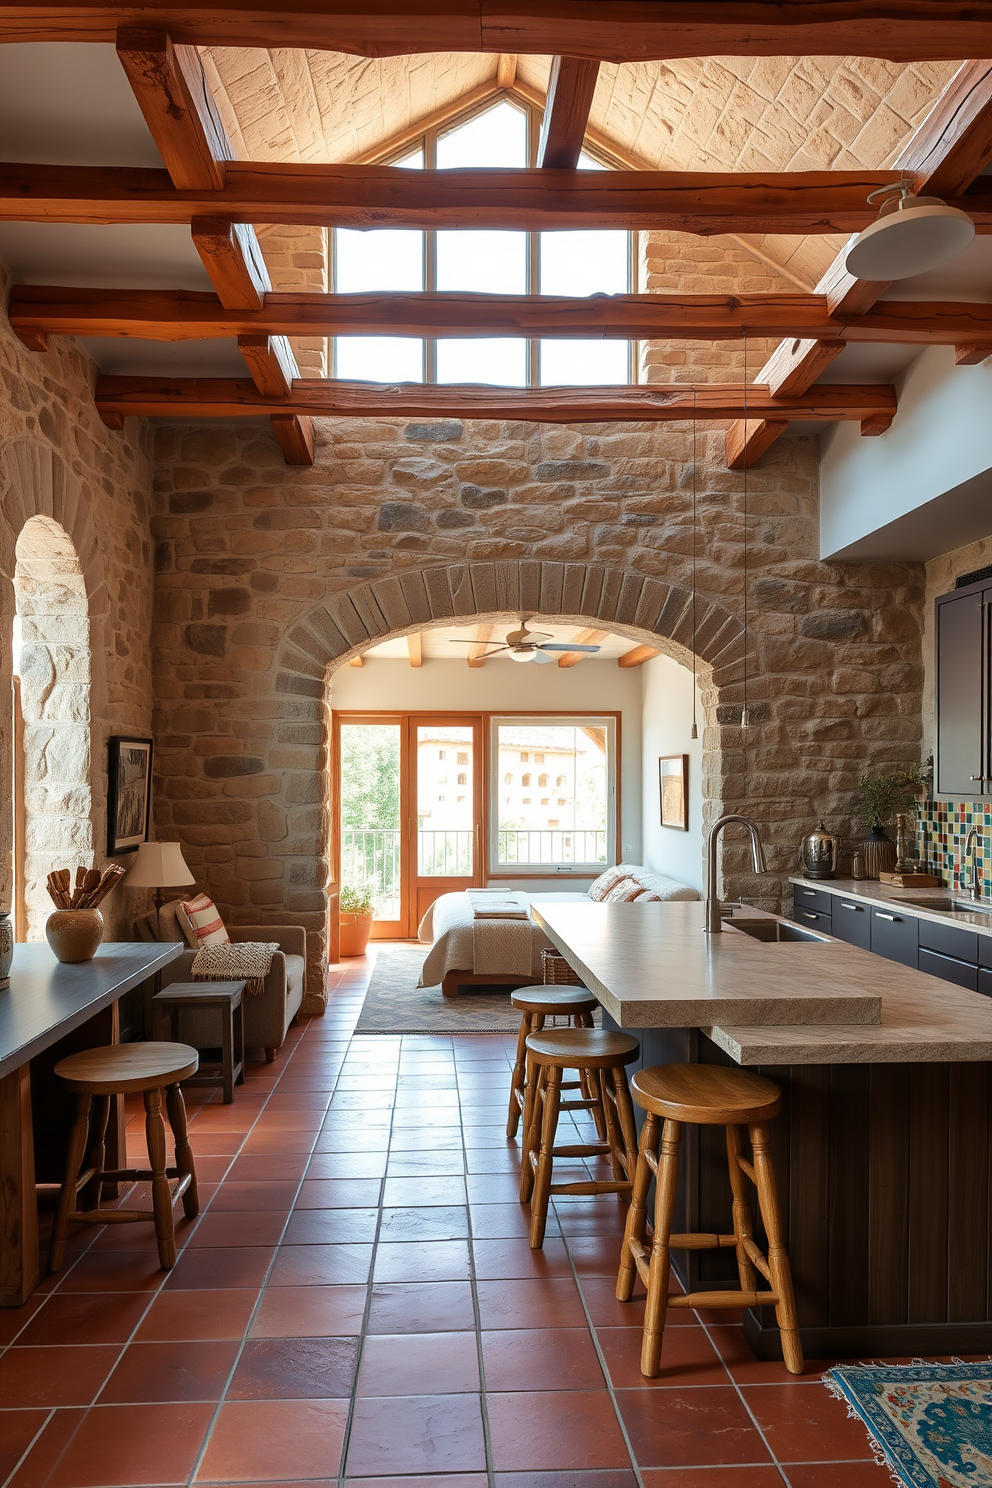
883 1145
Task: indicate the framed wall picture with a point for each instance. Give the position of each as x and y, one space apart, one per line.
673 780
129 793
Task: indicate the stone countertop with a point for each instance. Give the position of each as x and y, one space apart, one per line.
651 966
919 901
924 1020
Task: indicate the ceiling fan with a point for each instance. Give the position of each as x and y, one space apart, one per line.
529 645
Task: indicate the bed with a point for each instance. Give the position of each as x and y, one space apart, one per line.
501 953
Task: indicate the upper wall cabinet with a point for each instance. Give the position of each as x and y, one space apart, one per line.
964 671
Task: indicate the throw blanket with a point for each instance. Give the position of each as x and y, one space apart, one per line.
246 961
501 939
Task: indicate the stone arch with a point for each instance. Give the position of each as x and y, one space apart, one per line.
51 560
646 609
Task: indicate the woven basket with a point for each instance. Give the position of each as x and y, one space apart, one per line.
557 972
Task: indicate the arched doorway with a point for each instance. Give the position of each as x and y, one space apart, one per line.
53 664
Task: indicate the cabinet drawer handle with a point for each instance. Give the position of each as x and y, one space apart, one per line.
976 777
808 915
810 893
858 907
896 919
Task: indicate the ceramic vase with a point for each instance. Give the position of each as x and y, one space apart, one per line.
878 854
6 948
74 934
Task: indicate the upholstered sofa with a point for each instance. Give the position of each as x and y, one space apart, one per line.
267 1017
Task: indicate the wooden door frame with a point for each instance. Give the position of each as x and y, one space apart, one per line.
360 716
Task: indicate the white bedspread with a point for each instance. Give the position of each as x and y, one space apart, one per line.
501 946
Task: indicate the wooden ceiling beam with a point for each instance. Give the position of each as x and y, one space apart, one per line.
294 432
271 363
172 93
362 196
566 112
971 356
945 154
625 30
479 647
230 398
637 657
232 256
584 638
415 648
179 315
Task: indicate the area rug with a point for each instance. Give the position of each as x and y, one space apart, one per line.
930 1423
395 1004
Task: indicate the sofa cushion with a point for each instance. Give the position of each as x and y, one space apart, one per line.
295 968
201 922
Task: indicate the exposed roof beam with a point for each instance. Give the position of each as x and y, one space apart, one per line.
228 398
970 356
294 431
945 154
356 661
584 638
415 648
271 363
477 650
506 70
566 113
179 315
637 657
232 256
625 30
700 202
182 118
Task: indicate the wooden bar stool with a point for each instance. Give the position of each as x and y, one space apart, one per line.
123 1069
577 1004
706 1095
601 1055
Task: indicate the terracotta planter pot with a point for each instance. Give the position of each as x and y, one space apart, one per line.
74 934
355 932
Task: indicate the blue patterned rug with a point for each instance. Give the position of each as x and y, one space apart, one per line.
930 1423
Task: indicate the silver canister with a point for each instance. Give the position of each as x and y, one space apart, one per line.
818 853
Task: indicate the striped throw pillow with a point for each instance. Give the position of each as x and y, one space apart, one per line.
201 922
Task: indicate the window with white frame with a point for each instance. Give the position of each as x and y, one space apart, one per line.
576 831
389 260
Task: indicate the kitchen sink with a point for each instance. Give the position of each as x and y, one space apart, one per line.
770 931
948 905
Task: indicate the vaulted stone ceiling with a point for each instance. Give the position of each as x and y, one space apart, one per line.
712 113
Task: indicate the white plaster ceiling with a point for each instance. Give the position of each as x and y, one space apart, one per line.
437 644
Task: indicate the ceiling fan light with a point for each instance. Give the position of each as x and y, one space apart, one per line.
909 237
519 655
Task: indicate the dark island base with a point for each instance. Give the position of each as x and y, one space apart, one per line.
886 1183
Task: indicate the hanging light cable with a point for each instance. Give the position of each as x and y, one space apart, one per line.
694 732
745 716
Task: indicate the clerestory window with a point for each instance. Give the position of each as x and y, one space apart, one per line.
385 260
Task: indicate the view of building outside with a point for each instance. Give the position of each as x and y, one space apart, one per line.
445 810
551 794
370 813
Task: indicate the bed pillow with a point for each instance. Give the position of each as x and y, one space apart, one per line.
624 892
201 922
600 887
647 896
662 886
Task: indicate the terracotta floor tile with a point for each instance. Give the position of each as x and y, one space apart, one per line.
440 1223
93 1317
445 1480
503 1221
687 1358
803 1422
421 1192
722 1477
435 1260
14 1319
35 1470
735 1351
416 1434
421 1307
19 1429
295 1369
198 1315
439 1164
541 1359
321 1265
115 1271
262 1228
535 1302
595 1255
565 1430
126 1446
512 1258
839 1475
268 1166
703 1426
402 1364
261 1440
310 1312
212 1269
338 1193
324 1165
150 1372
248 1197
57 1375
620 1477
331 1227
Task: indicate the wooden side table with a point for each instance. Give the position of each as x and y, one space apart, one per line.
228 999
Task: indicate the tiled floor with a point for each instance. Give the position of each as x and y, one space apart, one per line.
358 1303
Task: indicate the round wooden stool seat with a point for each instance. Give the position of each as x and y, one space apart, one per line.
124 1069
553 1000
588 1048
706 1094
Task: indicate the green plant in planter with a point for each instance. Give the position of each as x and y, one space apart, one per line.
356 901
880 798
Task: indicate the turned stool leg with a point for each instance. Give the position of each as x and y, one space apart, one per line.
161 1192
743 1229
613 1134
67 1194
589 1084
176 1107
545 1162
97 1158
628 1126
518 1078
637 1217
659 1270
778 1260
536 1083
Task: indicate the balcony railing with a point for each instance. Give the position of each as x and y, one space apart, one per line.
442 854
371 856
536 845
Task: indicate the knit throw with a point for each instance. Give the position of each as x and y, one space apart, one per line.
245 961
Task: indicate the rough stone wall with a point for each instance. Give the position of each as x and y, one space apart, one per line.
58 461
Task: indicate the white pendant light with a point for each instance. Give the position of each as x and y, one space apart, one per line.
911 235
523 654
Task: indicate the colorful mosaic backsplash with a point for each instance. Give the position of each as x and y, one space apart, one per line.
944 828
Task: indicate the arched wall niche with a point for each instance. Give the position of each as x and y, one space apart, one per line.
647 610
51 562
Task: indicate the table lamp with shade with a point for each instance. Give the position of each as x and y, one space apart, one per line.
159 865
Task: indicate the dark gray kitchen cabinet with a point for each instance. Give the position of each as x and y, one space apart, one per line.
852 922
895 936
964 747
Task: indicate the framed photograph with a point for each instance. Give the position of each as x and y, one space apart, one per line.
673 780
129 793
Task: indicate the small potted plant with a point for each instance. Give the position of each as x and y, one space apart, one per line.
356 919
876 802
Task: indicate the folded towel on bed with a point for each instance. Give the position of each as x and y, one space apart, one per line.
489 904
